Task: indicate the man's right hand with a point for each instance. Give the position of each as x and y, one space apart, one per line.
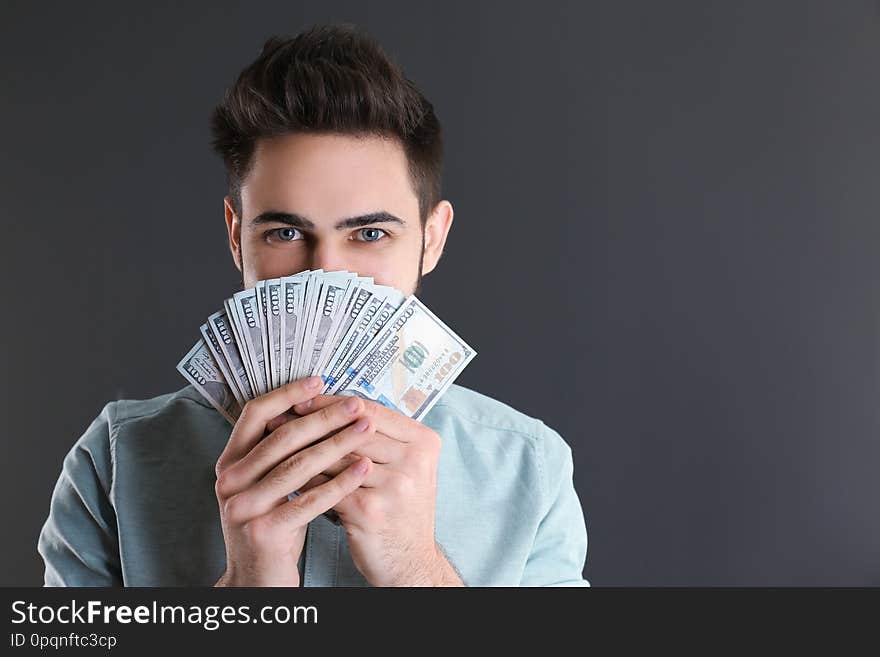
263 530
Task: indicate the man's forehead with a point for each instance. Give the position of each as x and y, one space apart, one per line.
331 149
328 178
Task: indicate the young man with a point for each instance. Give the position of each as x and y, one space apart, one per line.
334 162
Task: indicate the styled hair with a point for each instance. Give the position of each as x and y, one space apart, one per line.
332 79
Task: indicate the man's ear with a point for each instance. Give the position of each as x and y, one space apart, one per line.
233 227
437 228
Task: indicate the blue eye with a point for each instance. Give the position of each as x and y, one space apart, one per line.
372 234
286 234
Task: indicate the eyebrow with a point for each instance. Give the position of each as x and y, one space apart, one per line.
298 221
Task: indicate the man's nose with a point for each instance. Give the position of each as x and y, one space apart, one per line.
327 257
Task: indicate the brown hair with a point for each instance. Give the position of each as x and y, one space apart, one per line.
327 79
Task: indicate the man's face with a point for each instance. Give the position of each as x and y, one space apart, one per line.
334 202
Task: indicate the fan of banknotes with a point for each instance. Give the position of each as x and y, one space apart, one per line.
362 338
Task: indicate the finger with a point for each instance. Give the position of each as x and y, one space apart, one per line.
377 476
316 403
287 439
319 479
278 420
297 469
390 422
382 449
343 505
251 425
313 502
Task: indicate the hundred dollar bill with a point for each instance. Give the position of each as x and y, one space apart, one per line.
291 287
310 302
365 290
251 326
348 335
356 302
218 324
410 363
335 292
260 306
273 296
362 338
240 343
373 317
199 368
217 353
261 297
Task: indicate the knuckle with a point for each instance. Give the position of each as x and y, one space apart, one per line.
295 513
370 506
328 413
345 477
423 458
296 461
303 508
285 434
342 438
248 410
220 488
223 487
234 509
291 464
334 442
432 439
400 485
298 505
256 531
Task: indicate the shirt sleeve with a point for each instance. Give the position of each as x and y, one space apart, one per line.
559 551
79 541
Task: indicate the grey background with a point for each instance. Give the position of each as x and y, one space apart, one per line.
664 246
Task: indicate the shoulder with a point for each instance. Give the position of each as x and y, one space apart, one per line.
472 407
154 418
185 401
473 414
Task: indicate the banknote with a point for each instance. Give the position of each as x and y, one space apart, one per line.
214 347
292 289
274 328
201 370
335 291
261 308
362 332
218 324
309 293
356 302
410 363
241 344
361 337
250 325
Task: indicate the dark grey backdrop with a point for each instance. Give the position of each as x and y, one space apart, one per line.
665 246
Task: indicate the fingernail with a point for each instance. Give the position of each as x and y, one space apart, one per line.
306 405
351 404
314 381
361 467
362 425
